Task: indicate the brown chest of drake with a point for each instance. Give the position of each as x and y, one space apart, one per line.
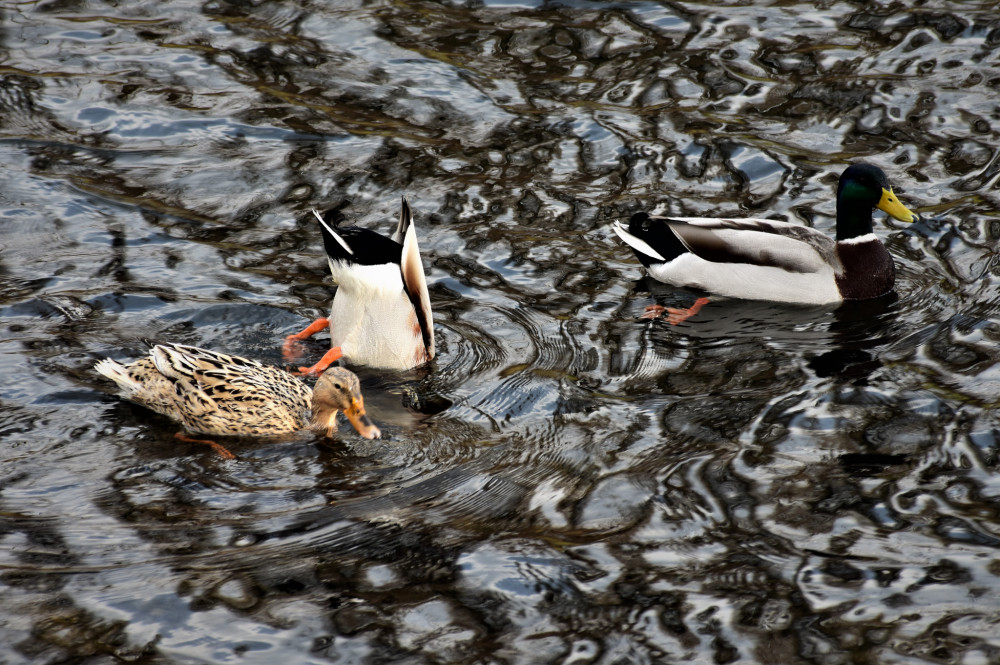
868 270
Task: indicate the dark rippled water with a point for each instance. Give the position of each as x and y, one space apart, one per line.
566 482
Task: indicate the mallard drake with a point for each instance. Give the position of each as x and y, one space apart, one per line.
762 259
218 394
381 314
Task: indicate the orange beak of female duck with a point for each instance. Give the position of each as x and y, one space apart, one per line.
359 419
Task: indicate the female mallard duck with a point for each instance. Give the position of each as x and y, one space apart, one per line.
761 259
214 393
381 313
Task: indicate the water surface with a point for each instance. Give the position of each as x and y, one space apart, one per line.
565 482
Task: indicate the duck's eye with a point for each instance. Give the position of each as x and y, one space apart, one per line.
338 386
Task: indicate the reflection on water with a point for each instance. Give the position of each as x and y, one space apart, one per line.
566 482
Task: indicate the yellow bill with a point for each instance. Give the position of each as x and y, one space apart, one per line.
891 206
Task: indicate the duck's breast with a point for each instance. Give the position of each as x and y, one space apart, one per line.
868 272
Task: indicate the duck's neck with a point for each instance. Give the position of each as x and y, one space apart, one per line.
322 419
853 221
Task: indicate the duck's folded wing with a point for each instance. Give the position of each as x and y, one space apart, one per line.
759 242
413 278
215 380
212 372
179 365
179 361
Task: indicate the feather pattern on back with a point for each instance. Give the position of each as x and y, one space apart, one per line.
761 242
214 393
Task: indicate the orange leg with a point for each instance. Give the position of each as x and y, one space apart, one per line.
292 350
653 312
330 357
675 315
223 453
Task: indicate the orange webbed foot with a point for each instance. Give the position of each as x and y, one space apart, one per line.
675 315
219 449
330 357
292 350
653 312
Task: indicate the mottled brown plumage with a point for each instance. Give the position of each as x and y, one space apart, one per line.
222 395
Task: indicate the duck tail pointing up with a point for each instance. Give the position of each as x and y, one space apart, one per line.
405 219
334 244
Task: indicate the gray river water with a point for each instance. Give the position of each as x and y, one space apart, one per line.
566 482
